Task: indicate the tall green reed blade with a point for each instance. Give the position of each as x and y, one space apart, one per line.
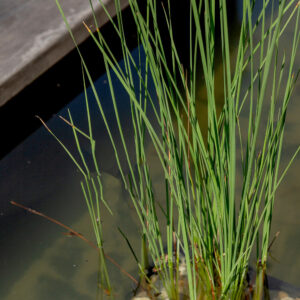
213 226
92 195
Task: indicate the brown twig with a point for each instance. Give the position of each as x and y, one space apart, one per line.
87 27
43 124
65 120
73 232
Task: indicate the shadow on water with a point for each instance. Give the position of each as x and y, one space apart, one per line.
38 262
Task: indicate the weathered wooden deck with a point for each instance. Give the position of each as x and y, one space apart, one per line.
33 37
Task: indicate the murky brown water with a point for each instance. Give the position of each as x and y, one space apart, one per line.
38 262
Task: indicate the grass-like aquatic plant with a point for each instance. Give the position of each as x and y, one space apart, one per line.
215 224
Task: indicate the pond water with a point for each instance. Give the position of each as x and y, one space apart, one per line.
37 261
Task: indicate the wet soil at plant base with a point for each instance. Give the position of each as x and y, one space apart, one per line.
275 288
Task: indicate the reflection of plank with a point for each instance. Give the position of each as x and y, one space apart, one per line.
34 37
59 268
67 268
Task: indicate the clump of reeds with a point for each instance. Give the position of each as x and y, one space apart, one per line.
213 225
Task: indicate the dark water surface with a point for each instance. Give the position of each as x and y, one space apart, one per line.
37 261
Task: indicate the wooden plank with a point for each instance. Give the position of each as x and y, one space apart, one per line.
33 37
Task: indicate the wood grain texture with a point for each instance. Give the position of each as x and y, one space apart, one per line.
33 37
